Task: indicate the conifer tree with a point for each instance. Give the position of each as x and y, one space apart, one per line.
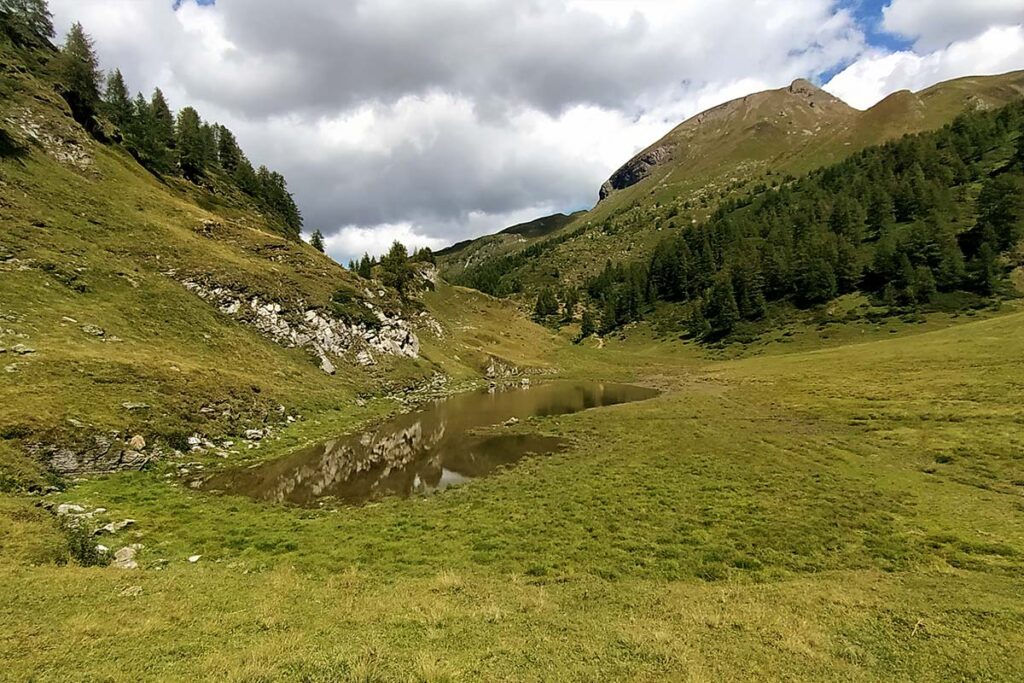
189 143
160 123
587 326
721 310
228 153
395 268
79 74
117 103
317 241
365 269
26 22
546 304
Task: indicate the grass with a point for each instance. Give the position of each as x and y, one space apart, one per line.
850 513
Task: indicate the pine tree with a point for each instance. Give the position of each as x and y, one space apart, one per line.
208 145
161 133
117 103
79 74
571 301
587 326
229 154
985 270
721 311
26 22
317 241
546 304
924 285
189 143
365 269
395 269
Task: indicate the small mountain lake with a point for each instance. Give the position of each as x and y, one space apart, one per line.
424 451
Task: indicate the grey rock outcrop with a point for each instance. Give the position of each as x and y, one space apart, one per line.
321 333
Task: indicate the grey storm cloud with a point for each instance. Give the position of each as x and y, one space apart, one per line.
452 116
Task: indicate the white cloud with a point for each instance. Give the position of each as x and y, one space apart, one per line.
876 74
444 119
935 24
351 241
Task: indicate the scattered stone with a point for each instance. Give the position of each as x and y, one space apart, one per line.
194 558
254 434
102 549
291 418
22 350
125 558
114 527
194 440
327 366
75 423
137 442
511 421
69 509
131 592
69 320
93 330
129 405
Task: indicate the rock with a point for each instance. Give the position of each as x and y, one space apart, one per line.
364 358
69 320
327 366
114 527
102 549
194 558
511 421
131 592
93 330
125 558
22 350
254 434
137 442
194 440
129 405
69 509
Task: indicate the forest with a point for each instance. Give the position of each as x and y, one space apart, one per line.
164 143
904 222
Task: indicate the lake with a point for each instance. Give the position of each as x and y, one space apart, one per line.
427 450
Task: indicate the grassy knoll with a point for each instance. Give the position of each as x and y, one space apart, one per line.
851 513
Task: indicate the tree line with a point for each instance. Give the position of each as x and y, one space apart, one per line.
165 143
903 222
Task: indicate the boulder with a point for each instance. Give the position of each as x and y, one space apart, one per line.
125 558
137 442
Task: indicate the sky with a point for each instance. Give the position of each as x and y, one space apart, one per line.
432 121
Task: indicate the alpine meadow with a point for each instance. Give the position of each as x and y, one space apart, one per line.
750 410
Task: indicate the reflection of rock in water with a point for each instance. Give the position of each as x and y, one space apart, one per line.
342 461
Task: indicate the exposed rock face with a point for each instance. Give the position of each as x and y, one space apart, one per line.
635 170
104 455
316 330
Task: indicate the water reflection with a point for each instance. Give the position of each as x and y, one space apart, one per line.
424 451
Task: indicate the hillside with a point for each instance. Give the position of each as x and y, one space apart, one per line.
761 139
135 304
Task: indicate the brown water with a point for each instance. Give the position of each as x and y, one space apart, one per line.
424 451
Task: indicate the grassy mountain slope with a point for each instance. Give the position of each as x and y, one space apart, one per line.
94 256
726 151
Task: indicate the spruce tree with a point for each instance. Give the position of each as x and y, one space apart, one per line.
721 311
26 22
395 268
117 103
189 143
587 326
161 134
546 305
317 241
79 75
365 269
229 155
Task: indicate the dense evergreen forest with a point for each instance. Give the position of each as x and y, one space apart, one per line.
905 222
166 144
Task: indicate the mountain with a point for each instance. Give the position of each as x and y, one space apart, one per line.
720 153
135 303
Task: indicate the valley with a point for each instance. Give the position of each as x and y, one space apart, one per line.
754 416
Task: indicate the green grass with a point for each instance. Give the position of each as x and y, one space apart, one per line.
850 513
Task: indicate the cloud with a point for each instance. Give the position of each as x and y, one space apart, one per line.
935 24
440 120
876 74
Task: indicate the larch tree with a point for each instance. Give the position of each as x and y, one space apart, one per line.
79 74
